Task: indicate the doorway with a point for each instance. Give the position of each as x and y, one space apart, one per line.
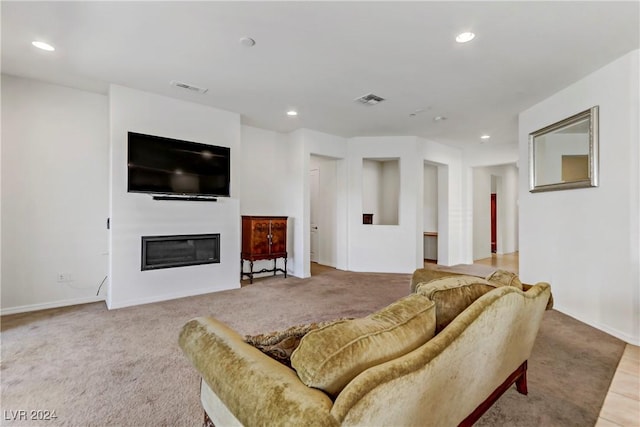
314 187
494 223
323 212
495 210
430 210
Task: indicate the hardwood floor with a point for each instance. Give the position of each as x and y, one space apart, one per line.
507 262
622 405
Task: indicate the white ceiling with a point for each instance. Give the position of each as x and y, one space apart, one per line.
317 57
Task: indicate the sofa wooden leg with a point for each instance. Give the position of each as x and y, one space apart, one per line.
519 376
521 382
207 421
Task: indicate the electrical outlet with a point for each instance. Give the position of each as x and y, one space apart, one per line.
63 277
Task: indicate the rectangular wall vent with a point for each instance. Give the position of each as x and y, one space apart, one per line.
369 99
189 87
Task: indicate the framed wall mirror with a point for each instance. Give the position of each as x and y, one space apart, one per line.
564 155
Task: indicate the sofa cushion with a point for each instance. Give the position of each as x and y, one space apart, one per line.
329 357
280 344
452 295
505 278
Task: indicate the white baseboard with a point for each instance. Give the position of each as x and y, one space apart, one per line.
165 297
44 306
624 336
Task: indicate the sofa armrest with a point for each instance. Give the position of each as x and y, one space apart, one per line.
526 287
255 388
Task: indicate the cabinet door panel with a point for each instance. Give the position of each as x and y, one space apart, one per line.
259 237
278 236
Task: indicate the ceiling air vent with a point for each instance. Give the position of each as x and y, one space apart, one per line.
369 99
189 87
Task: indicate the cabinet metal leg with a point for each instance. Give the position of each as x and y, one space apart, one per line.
251 273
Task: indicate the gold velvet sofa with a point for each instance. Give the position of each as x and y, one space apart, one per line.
438 357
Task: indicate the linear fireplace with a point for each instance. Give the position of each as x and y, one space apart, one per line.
179 251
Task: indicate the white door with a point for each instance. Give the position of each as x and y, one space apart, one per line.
314 184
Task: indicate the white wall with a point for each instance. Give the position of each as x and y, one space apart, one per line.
585 241
430 211
386 248
508 211
372 188
134 215
265 183
54 192
481 213
507 208
263 166
430 198
390 192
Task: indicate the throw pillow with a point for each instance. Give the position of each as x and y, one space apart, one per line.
453 294
280 344
328 358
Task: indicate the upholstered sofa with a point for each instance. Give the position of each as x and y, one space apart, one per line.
438 357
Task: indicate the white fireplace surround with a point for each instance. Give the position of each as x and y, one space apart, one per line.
134 215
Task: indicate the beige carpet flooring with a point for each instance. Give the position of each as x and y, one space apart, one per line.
96 367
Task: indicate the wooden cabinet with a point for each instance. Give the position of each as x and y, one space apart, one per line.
263 238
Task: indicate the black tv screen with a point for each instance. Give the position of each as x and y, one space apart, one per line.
169 166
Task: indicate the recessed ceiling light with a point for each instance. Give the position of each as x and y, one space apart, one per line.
292 113
439 118
43 46
485 137
465 37
247 41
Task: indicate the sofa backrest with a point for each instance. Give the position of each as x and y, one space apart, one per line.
444 380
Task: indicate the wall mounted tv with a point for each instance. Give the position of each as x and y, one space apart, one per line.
160 165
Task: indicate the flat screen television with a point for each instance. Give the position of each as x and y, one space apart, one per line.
168 166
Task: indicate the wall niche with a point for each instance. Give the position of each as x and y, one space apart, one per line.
381 190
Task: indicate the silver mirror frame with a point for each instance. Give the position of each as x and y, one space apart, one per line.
592 181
